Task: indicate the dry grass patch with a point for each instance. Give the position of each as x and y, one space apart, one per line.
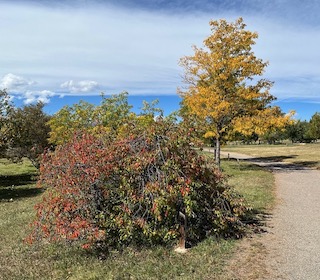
303 154
249 260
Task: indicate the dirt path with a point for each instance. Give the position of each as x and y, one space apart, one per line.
292 242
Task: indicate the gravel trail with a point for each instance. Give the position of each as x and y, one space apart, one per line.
293 237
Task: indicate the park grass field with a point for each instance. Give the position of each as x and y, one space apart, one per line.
303 154
207 260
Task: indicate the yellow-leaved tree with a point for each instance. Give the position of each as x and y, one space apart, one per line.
224 84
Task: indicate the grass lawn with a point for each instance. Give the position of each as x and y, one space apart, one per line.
208 260
303 154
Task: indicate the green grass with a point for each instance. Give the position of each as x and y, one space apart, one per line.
253 182
17 180
10 169
302 154
207 260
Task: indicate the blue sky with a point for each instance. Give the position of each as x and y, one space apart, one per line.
62 51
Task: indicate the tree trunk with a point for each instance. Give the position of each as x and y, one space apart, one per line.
214 148
217 151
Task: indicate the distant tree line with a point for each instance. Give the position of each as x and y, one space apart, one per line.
297 132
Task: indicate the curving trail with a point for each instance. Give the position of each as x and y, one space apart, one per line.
293 238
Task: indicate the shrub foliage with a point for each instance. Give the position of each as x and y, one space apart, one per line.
105 192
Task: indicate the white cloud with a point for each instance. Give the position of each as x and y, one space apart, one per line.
22 88
37 96
14 83
81 86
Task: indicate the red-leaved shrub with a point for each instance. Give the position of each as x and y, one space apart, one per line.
114 192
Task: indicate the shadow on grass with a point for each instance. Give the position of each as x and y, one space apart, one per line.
309 164
18 193
272 159
250 167
17 180
274 163
257 220
237 164
18 186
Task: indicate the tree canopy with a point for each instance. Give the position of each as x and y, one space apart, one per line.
23 130
224 84
314 126
27 133
113 117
